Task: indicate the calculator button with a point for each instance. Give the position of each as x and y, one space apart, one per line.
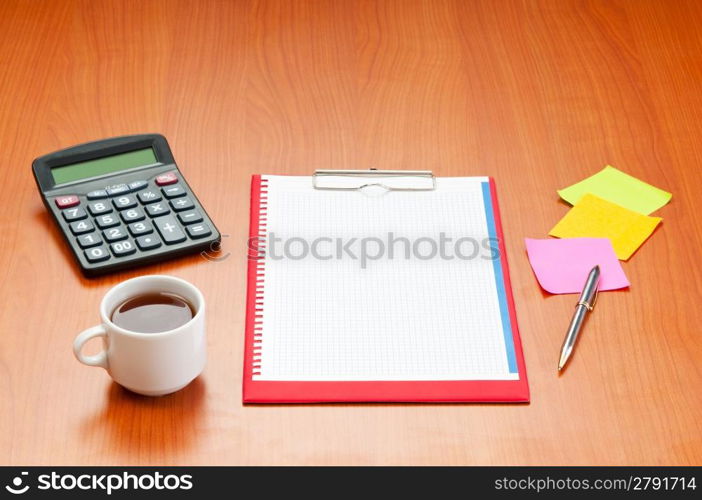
173 191
148 242
97 195
190 217
136 185
97 254
80 227
105 221
169 230
99 207
75 213
182 204
198 230
138 228
166 179
156 209
124 202
67 201
122 248
149 196
115 234
132 215
89 240
117 190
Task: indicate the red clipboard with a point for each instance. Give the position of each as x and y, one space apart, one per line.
453 391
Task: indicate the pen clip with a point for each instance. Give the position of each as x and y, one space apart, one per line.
590 307
594 299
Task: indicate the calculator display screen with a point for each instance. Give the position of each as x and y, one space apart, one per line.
102 166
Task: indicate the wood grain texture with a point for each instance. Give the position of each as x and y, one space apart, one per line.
537 94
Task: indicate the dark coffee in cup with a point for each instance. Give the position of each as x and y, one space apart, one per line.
153 313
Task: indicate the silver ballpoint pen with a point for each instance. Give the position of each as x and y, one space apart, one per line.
585 304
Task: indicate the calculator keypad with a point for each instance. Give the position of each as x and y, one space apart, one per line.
80 227
108 220
139 216
124 202
173 191
189 217
96 195
169 229
76 213
123 248
67 201
198 230
97 254
138 228
89 240
99 207
149 196
115 190
133 215
148 242
167 178
115 234
157 209
137 185
182 204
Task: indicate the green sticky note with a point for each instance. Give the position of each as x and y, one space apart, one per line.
620 188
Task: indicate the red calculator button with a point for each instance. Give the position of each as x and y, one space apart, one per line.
167 178
67 201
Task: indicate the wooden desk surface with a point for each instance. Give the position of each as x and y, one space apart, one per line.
538 94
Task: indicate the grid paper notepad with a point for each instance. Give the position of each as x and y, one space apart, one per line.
356 296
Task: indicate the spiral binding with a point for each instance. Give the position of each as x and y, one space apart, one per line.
260 276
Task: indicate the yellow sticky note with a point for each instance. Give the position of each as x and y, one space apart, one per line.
593 217
620 188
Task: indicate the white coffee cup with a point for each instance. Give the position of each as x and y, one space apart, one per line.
152 364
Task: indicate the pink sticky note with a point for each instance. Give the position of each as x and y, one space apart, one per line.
562 265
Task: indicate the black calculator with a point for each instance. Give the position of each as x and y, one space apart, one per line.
123 202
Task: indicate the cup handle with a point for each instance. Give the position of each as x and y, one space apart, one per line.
99 359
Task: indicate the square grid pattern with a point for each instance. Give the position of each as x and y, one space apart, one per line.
420 318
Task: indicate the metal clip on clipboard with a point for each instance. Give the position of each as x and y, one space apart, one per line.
358 180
